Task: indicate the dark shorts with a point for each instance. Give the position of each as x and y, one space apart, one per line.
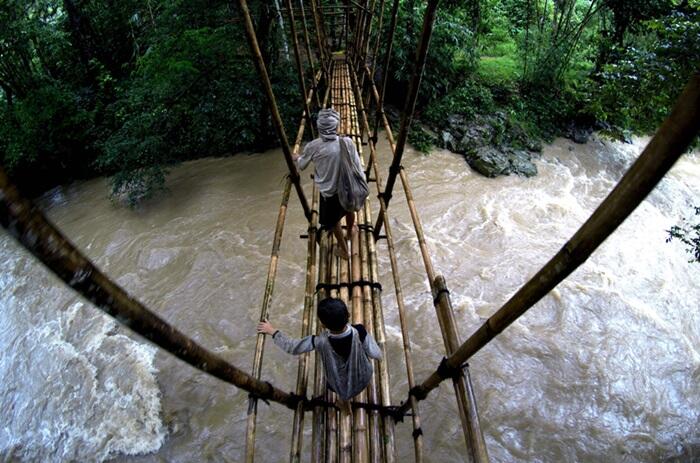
331 212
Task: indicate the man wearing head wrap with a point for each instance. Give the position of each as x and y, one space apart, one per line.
325 154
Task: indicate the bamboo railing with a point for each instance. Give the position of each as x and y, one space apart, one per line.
264 315
410 104
306 329
300 67
272 104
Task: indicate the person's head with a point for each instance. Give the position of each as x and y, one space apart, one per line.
333 313
327 122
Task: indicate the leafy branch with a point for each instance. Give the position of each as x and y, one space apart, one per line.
688 234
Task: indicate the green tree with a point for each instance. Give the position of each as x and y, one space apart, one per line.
643 79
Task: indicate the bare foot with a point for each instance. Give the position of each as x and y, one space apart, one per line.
344 406
338 251
355 229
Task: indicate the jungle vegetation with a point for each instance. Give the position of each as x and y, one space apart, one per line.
129 88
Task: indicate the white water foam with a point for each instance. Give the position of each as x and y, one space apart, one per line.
74 387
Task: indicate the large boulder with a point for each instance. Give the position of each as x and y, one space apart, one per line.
578 133
448 141
456 124
521 163
491 161
492 144
476 135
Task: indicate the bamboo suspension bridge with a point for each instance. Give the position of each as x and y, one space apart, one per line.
341 57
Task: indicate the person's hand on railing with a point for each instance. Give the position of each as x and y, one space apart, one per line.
265 327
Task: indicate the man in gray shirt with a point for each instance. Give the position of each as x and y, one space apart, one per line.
325 154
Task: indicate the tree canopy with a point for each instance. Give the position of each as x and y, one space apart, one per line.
95 87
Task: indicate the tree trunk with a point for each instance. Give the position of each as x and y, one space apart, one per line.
79 28
280 19
8 96
475 8
264 25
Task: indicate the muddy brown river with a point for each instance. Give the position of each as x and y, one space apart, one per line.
605 368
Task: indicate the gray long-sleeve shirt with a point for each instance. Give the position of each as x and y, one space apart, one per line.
325 153
307 344
347 376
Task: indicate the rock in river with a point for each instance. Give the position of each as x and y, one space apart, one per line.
492 162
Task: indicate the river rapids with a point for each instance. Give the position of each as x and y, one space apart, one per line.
604 368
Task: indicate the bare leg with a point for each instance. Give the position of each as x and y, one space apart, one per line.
342 249
344 406
350 221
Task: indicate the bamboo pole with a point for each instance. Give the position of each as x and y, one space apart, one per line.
385 70
376 313
318 17
410 105
463 387
309 54
375 439
323 58
319 445
462 384
375 52
272 103
302 124
360 16
336 432
381 115
361 21
375 389
308 319
408 355
365 297
318 436
671 140
346 28
378 35
300 67
375 449
31 229
353 444
339 432
364 47
308 314
344 447
450 335
264 315
360 447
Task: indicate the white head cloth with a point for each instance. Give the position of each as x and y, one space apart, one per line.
327 123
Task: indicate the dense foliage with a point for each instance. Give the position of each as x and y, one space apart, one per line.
128 88
550 65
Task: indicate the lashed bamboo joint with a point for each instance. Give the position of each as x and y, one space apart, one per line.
368 433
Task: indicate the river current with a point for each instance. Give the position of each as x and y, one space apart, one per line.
604 368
